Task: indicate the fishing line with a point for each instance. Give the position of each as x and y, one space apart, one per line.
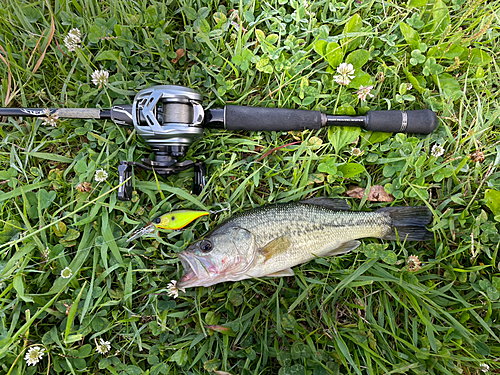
47 261
9 244
63 254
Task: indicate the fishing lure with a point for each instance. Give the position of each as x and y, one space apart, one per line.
172 220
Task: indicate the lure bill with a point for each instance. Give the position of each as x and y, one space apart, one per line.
149 228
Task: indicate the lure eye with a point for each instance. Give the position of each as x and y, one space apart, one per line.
157 220
205 246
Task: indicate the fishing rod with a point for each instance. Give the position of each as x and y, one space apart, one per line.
170 118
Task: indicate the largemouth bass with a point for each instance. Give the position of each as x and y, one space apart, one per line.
270 240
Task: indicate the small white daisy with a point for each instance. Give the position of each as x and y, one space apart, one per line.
346 74
484 367
100 77
50 119
103 346
437 151
363 92
100 175
73 39
34 355
66 273
172 289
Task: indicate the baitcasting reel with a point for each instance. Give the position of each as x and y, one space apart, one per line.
170 118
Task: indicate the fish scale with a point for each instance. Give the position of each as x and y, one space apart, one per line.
313 231
268 241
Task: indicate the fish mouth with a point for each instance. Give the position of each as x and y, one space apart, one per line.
197 271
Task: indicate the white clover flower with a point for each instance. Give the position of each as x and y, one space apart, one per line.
73 39
84 187
437 151
50 119
356 151
34 355
484 367
100 175
45 254
100 77
103 346
413 263
66 273
172 289
363 92
346 74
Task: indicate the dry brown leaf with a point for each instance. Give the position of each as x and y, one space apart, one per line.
9 76
51 36
218 328
356 192
377 194
180 52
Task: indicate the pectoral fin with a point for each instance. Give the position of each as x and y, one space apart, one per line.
344 248
277 246
283 273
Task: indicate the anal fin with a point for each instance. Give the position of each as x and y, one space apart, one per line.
343 248
282 273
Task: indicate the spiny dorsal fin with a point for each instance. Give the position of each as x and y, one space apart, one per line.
287 272
277 246
331 203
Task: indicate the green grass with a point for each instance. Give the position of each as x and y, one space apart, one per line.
362 313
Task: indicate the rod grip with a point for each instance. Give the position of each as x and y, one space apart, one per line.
422 121
271 119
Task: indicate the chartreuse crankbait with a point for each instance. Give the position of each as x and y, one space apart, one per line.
177 219
172 220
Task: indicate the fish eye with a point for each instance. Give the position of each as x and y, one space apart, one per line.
205 246
157 220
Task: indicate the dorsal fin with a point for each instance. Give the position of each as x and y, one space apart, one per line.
331 203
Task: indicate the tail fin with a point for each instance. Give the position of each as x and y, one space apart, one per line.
408 223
